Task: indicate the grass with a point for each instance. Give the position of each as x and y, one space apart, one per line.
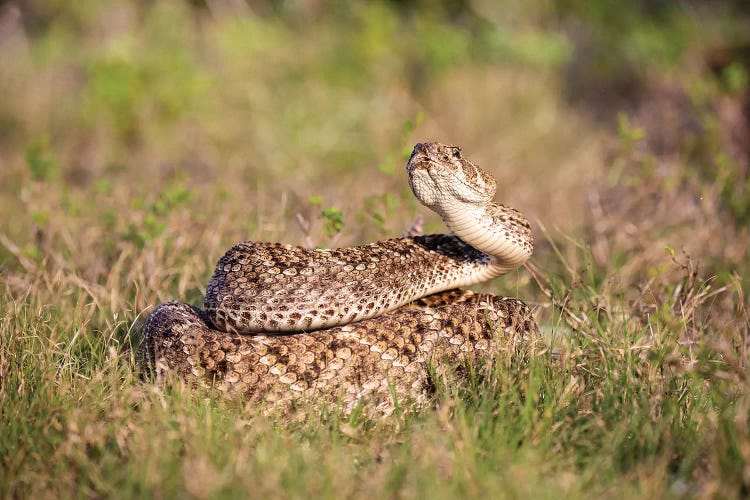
139 142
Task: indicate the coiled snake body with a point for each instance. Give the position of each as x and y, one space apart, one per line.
284 323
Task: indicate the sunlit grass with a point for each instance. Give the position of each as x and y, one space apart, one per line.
616 403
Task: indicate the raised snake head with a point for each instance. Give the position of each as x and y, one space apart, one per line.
441 177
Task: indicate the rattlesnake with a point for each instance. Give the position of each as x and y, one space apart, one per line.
284 323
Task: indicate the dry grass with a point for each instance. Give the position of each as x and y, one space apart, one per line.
138 143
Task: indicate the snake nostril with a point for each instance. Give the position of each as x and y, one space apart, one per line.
417 149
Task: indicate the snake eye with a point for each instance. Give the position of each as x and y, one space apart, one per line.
457 153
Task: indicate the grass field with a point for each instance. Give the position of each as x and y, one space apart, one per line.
138 142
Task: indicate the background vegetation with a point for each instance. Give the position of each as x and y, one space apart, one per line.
139 140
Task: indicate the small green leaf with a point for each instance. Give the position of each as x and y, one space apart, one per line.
334 220
40 218
389 167
41 163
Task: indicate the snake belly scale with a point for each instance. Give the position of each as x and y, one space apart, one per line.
284 323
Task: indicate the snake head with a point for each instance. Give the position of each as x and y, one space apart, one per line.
439 175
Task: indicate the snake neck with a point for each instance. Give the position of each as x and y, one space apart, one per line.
500 232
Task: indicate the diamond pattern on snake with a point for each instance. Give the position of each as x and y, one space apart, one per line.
360 325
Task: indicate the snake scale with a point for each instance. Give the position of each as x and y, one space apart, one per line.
286 324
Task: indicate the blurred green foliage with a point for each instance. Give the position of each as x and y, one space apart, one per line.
154 76
152 220
140 83
334 220
42 164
